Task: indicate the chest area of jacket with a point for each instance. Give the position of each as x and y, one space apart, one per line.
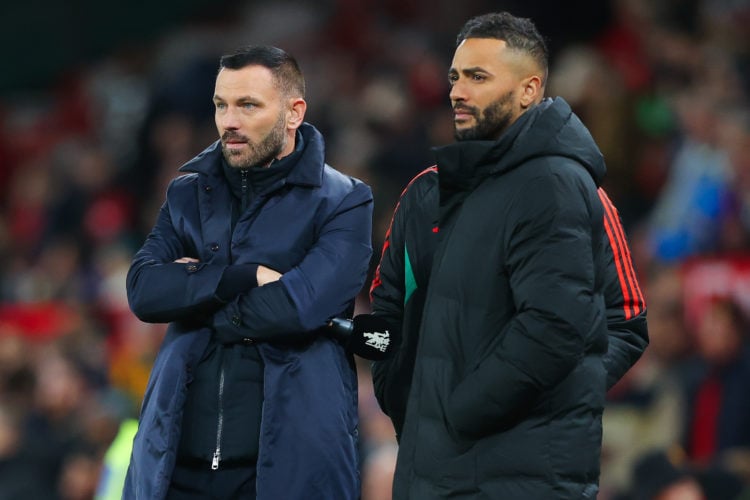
473 231
469 298
275 230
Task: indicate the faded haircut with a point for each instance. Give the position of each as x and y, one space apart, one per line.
517 32
282 65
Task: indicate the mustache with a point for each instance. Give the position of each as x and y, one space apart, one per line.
466 109
230 135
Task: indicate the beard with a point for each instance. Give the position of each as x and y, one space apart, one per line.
491 121
261 153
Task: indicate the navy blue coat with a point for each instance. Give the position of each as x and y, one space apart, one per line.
315 228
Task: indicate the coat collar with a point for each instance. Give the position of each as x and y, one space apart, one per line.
308 171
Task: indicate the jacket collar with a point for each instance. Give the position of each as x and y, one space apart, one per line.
557 131
463 164
308 170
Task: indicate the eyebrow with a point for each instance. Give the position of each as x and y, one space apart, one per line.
244 98
469 71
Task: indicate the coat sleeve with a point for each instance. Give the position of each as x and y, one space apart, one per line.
387 295
320 287
550 265
626 307
160 290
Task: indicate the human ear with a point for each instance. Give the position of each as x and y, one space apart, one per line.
296 113
532 91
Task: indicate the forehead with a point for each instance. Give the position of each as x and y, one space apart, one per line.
480 53
248 81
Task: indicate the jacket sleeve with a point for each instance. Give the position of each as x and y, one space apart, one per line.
387 295
320 287
626 307
550 266
160 290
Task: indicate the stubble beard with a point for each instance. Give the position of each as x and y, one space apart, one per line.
260 154
492 121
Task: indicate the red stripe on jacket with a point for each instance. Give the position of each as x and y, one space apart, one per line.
631 292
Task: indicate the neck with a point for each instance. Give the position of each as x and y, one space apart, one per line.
289 145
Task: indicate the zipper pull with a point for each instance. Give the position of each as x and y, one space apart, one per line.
215 461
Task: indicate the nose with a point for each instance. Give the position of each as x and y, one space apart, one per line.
227 118
457 92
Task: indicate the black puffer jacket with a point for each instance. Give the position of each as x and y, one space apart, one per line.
402 277
509 382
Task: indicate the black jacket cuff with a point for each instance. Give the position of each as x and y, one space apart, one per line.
236 280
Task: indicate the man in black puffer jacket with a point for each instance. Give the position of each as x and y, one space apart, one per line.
509 374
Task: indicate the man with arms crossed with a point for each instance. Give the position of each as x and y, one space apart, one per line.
256 248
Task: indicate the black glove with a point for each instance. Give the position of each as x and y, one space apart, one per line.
368 336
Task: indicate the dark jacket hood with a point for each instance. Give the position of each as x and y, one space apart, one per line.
308 171
548 129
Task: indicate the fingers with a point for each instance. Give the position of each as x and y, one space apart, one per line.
185 260
266 275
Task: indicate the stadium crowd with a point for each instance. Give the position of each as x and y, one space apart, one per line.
664 87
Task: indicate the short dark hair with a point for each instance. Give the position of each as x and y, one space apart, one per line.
283 66
517 32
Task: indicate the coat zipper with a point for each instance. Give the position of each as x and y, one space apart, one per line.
220 422
244 187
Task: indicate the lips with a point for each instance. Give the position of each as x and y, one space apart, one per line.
234 144
462 114
233 141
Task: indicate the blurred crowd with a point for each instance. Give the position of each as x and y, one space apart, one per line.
663 85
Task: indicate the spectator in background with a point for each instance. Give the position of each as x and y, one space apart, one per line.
22 475
256 247
687 217
115 463
645 410
96 106
657 477
668 475
718 400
